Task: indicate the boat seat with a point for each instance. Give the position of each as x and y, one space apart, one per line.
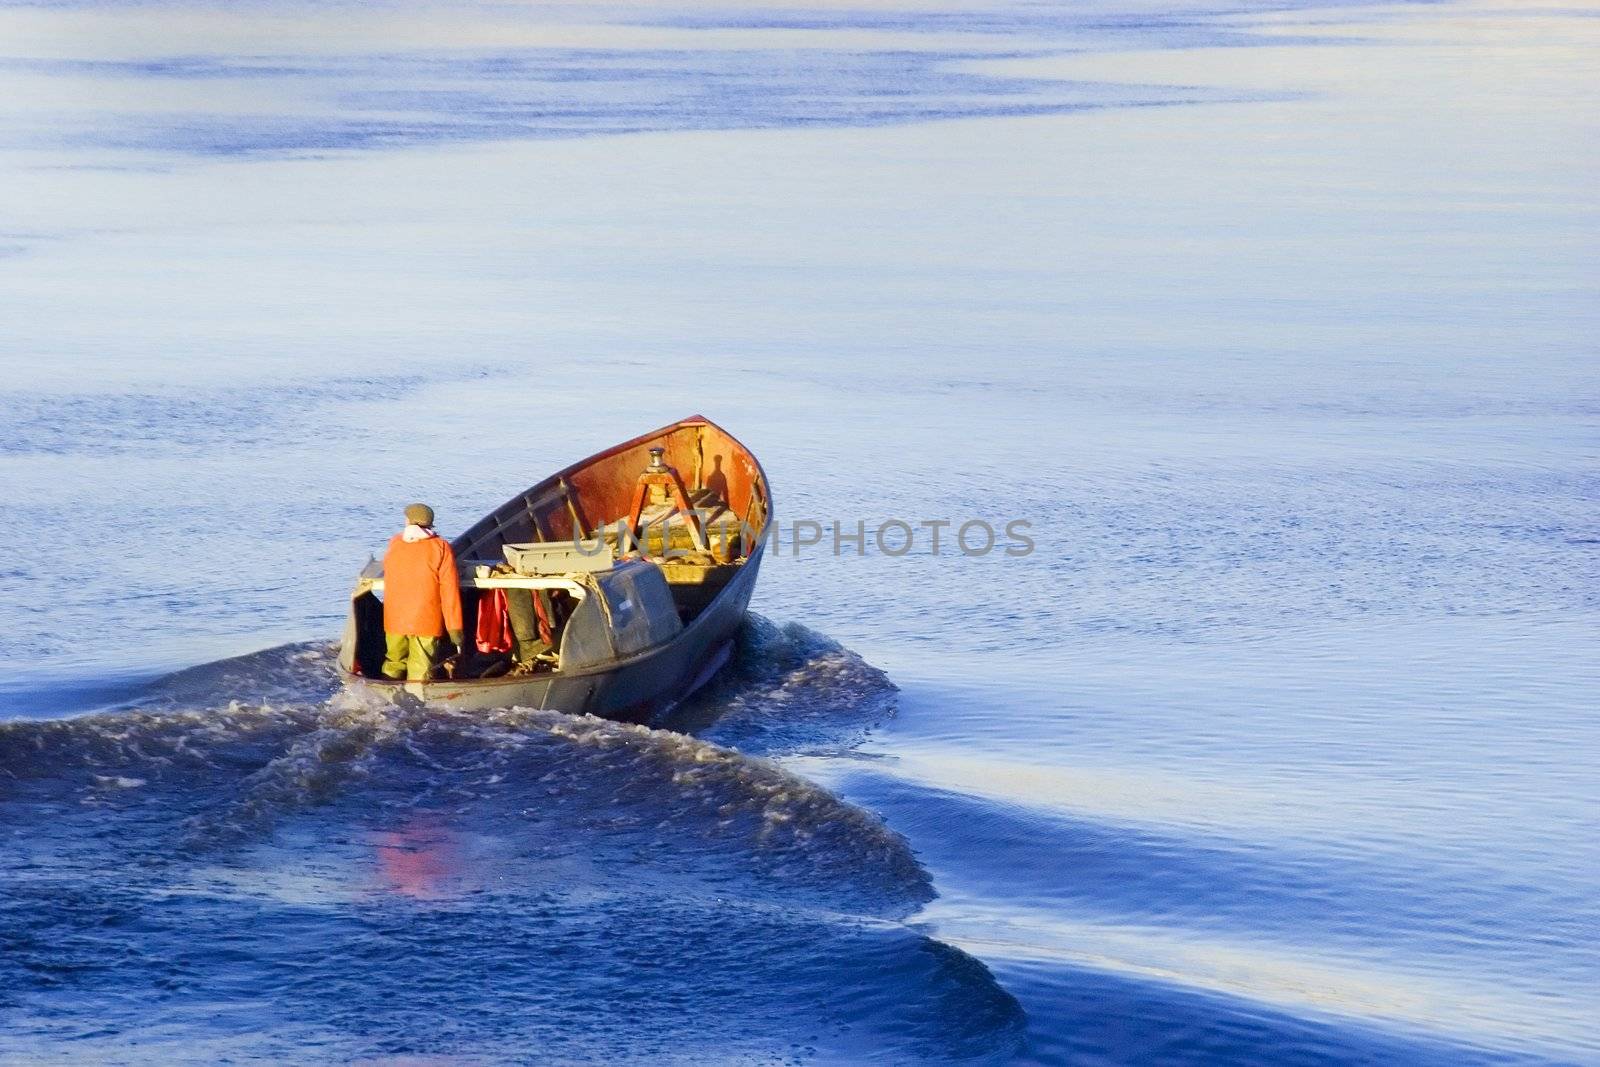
664 527
705 499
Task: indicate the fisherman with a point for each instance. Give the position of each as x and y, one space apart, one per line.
421 598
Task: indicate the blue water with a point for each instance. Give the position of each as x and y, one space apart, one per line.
1276 323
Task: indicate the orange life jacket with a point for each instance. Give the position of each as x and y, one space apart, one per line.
421 589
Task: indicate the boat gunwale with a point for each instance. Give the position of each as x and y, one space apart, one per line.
524 497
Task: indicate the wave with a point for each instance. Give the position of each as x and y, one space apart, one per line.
789 690
222 753
430 881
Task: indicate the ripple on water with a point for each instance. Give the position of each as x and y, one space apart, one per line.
398 882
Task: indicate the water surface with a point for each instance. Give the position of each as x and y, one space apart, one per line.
1276 323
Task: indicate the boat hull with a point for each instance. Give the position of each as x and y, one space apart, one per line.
639 689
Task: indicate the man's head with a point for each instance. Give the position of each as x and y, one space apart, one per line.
419 514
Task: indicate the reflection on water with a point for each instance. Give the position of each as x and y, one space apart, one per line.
422 860
1277 975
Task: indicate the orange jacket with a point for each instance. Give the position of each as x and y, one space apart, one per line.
421 590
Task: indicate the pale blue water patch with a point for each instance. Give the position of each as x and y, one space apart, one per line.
340 103
190 422
1136 24
895 68
1338 845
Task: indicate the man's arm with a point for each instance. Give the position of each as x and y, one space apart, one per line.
450 596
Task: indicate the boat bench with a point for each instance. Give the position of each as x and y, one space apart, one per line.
665 528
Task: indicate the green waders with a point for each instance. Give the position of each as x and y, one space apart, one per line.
525 639
410 656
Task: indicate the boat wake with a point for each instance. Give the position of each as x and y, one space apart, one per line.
789 691
625 891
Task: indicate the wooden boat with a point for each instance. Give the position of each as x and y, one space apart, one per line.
641 558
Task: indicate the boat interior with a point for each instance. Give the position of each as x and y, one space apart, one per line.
596 562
